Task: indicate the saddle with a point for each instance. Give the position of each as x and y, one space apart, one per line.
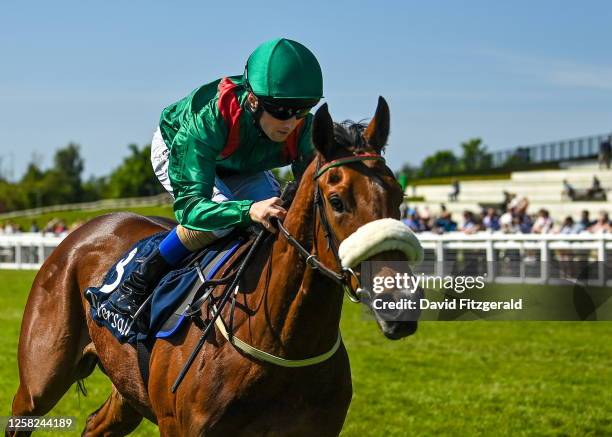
177 292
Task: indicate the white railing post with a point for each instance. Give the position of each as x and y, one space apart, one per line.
18 260
490 261
522 273
439 257
544 262
601 261
41 252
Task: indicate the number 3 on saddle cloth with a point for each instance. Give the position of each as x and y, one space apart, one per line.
162 314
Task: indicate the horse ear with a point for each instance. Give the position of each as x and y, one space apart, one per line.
323 132
377 131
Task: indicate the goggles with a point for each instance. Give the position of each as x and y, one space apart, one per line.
281 112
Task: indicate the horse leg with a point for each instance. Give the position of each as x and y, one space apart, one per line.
53 352
115 417
39 392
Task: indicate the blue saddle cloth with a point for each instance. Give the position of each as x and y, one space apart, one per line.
170 294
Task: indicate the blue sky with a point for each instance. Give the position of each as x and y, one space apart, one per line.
99 73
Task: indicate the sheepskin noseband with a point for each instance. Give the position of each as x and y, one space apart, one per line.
380 236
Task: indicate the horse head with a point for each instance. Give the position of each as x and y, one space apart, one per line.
359 200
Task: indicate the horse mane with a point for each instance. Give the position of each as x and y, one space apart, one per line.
349 135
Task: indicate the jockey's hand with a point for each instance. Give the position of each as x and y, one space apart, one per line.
262 211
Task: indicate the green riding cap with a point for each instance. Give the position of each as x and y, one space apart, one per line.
284 69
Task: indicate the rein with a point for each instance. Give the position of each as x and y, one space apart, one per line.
343 279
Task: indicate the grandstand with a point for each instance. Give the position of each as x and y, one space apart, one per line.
574 160
543 189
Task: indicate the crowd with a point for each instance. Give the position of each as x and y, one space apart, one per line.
513 220
54 226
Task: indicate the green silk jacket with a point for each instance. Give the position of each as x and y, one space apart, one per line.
210 132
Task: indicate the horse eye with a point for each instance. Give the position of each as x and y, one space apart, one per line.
336 203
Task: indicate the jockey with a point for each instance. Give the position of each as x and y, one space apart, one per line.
214 149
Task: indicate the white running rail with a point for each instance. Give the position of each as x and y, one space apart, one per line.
530 257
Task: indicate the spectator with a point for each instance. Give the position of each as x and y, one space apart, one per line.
59 228
564 255
426 214
543 223
602 225
455 193
34 227
568 190
413 221
521 223
445 223
605 151
584 223
491 221
10 228
596 184
595 188
470 225
424 224
569 227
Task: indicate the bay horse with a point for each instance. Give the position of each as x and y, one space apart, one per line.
286 308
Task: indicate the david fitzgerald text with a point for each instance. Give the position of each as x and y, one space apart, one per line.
447 304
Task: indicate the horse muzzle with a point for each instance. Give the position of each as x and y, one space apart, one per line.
386 240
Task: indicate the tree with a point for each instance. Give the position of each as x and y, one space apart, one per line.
95 188
441 163
57 185
62 183
134 177
32 185
11 197
475 156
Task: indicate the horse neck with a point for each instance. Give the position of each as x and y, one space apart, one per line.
299 308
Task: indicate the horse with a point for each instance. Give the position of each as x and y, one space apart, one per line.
289 306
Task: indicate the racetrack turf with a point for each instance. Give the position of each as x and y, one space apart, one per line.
451 378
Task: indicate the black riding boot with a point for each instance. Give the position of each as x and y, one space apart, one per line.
137 287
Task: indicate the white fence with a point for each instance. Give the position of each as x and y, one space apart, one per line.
518 258
521 258
26 250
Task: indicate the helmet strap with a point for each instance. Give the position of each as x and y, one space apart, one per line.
256 113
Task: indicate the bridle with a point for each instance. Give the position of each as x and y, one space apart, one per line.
346 274
342 278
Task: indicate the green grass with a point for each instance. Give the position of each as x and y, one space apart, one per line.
70 217
451 378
